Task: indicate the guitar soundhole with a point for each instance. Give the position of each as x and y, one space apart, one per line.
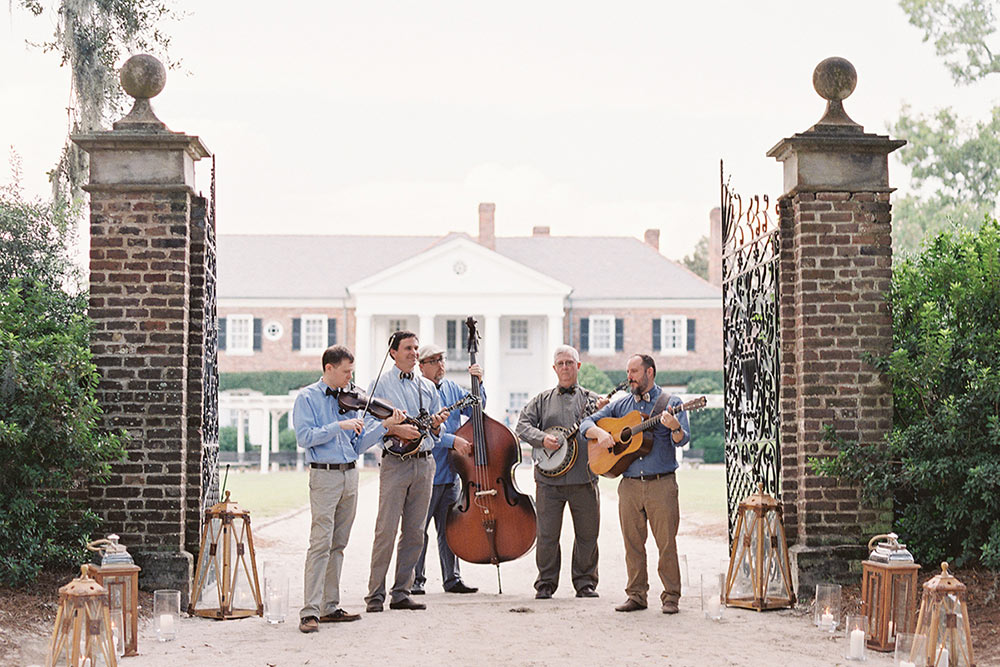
626 435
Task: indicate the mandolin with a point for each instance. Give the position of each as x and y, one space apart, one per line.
631 437
404 448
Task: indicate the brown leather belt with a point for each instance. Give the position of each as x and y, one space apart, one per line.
333 466
416 455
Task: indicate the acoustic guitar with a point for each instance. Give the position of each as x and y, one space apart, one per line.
632 439
403 448
555 462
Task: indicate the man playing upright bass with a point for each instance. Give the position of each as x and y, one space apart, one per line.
564 406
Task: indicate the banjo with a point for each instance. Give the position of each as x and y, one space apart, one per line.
555 462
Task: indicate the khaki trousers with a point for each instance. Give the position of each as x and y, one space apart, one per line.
333 501
654 501
404 495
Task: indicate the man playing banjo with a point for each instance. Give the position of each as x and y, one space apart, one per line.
562 476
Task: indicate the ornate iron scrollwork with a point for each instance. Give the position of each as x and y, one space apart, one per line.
210 374
750 260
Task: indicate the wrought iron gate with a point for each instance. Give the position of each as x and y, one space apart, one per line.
210 365
750 260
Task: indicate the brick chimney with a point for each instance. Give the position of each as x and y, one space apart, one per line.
653 239
715 246
487 233
540 230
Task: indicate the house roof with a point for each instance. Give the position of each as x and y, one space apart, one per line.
301 266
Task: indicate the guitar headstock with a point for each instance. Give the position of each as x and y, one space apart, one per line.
473 340
695 403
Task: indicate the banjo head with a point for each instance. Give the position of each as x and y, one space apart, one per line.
552 463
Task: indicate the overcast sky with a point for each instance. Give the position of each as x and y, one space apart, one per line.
593 118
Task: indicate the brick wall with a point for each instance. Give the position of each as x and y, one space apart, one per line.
139 301
835 274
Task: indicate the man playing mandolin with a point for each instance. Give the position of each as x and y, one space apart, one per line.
333 439
405 479
563 406
648 490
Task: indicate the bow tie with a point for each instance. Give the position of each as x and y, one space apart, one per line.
644 397
567 390
332 392
403 375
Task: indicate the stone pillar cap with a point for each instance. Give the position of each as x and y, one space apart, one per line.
143 77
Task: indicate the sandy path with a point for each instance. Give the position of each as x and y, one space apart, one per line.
487 628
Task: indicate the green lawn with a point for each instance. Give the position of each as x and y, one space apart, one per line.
702 490
274 493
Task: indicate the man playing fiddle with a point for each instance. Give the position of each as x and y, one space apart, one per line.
563 405
332 441
447 486
405 482
648 489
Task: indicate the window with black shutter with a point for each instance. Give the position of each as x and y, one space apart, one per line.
619 334
331 331
258 331
690 335
296 333
584 334
657 342
222 333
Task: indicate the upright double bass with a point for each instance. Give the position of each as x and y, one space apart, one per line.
492 522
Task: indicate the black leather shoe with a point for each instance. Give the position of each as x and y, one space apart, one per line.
407 603
587 592
460 587
374 606
630 605
417 591
543 593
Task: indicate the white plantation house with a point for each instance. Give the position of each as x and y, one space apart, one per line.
283 299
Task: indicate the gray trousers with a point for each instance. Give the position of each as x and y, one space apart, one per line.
442 498
333 501
404 494
585 509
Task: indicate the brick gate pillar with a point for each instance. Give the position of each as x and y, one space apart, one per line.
836 267
148 238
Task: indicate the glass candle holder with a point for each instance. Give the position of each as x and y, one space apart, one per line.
826 612
118 630
855 632
911 650
682 563
711 595
166 613
275 593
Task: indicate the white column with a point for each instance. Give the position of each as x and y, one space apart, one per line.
241 436
300 453
364 364
426 329
490 356
265 447
555 332
275 419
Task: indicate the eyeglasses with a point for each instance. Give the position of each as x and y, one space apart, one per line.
433 360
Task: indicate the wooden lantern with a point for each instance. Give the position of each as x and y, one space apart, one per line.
83 626
944 619
119 575
759 575
225 582
888 592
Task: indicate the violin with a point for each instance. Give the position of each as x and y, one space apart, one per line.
352 398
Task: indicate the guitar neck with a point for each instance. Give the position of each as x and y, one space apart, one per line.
654 420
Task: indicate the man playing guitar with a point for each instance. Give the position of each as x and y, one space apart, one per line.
648 490
563 406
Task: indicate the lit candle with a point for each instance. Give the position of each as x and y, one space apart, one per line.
857 644
826 620
166 624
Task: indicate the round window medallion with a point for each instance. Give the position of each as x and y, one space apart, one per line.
273 331
459 268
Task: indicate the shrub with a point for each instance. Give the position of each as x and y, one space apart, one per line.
941 462
48 430
594 379
708 433
270 383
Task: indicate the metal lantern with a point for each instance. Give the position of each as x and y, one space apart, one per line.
944 619
120 577
82 633
888 592
759 576
225 582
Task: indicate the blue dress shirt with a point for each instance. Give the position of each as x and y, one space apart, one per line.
662 458
449 392
316 418
406 395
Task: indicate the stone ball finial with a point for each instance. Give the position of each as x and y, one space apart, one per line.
835 78
143 76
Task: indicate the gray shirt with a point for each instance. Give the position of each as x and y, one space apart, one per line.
548 409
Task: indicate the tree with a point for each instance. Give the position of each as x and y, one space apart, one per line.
91 37
594 379
956 164
697 261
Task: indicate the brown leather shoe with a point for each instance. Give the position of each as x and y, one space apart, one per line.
339 616
309 624
587 592
630 605
670 608
407 603
374 606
